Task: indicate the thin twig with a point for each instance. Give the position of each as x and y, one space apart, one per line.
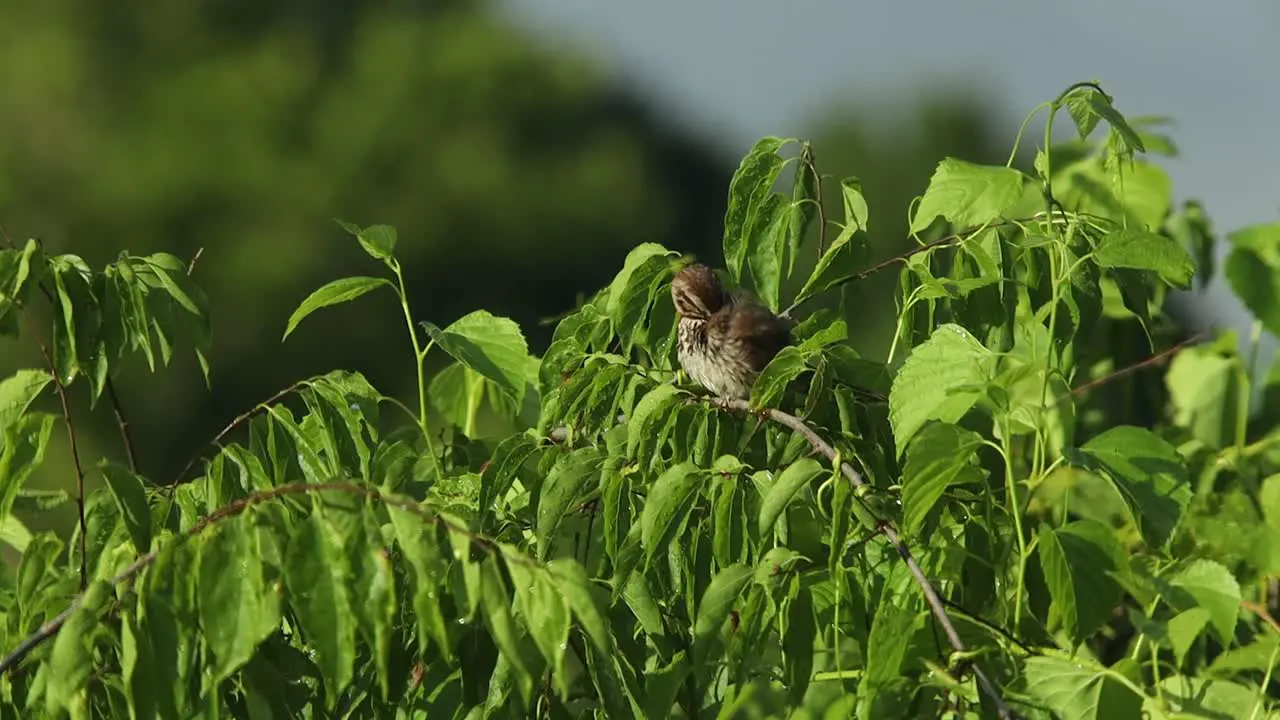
239 419
886 529
75 459
129 448
1261 611
1129 370
50 628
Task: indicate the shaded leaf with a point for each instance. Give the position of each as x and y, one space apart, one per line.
668 504
131 497
940 455
796 476
316 577
1142 250
1078 560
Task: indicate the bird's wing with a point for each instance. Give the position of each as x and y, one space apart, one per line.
764 333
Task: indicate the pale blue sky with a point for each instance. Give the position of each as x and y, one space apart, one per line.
734 71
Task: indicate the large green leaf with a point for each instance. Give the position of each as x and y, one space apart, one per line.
1204 388
492 346
717 601
17 391
668 504
1079 560
237 610
335 292
315 574
1079 691
418 542
131 497
634 288
1142 250
940 455
968 195
749 190
545 609
564 484
1210 585
784 489
1147 471
772 382
941 380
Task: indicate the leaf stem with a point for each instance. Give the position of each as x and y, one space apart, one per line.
420 357
75 460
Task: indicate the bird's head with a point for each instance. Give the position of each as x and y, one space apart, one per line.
697 292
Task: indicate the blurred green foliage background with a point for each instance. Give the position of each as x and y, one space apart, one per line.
518 178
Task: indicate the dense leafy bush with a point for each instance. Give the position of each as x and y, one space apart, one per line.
1000 519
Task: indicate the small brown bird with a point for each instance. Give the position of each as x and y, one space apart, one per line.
725 339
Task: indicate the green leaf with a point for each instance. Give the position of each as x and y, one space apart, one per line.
896 620
584 601
1147 471
1209 585
377 240
25 442
316 577
545 610
418 542
1142 250
969 195
1184 628
635 286
941 380
725 588
496 602
940 455
642 424
564 484
1191 228
237 611
1204 388
751 186
1079 692
1088 105
333 293
71 661
668 504
1253 269
1078 561
804 204
772 382
18 391
492 346
131 497
798 645
768 249
855 205
796 476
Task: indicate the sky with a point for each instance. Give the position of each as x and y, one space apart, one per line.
731 72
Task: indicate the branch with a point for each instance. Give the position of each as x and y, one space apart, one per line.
75 458
51 628
239 419
1153 360
886 529
118 410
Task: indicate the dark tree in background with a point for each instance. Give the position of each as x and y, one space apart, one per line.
515 174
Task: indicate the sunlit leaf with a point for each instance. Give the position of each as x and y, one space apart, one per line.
17 391
1142 250
237 610
667 506
1079 692
969 195
316 577
492 346
333 293
131 497
749 189
941 380
563 485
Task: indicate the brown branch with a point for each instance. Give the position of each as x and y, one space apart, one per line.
75 459
50 628
116 408
1149 362
1260 611
886 529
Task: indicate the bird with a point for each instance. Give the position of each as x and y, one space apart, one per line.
725 339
